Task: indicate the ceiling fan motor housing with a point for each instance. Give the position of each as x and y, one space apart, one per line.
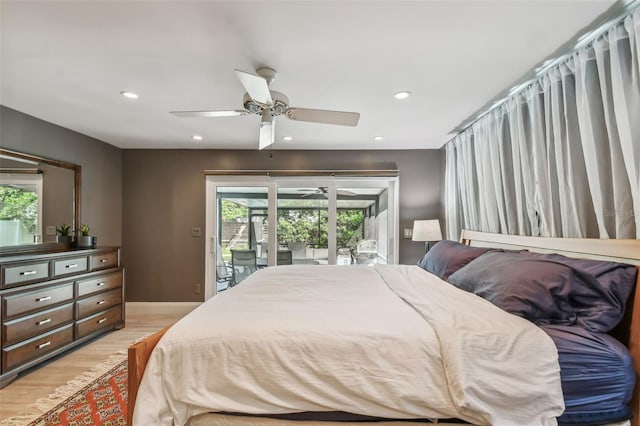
280 104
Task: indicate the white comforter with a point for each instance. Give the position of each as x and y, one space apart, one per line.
391 341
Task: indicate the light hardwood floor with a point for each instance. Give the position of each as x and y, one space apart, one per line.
43 380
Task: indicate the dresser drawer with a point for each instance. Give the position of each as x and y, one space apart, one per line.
98 284
27 272
98 303
71 265
34 324
103 260
96 322
42 298
13 356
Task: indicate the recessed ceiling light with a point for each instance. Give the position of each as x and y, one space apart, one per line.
377 138
287 138
129 95
196 137
402 95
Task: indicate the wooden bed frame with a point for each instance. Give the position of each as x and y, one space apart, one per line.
628 332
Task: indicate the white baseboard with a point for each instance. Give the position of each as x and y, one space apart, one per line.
160 308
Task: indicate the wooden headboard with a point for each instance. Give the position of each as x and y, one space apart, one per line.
627 251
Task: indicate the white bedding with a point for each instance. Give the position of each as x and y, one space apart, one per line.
391 341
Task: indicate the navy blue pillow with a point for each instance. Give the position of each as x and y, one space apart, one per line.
446 257
551 288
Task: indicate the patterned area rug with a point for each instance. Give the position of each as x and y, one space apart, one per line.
97 397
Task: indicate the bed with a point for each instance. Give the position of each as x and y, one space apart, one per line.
353 327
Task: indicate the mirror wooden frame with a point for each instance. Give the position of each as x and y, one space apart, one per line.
77 171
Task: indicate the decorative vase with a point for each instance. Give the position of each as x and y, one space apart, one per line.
85 241
66 239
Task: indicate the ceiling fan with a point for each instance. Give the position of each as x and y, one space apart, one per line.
323 191
270 104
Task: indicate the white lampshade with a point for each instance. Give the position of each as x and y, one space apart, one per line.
426 230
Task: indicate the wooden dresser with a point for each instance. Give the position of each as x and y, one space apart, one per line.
54 301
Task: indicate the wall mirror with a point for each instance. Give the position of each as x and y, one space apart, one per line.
37 194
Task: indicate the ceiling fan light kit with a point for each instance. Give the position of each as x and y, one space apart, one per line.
269 104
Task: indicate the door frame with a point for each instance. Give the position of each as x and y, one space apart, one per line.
272 183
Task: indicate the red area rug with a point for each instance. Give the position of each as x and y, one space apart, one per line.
102 402
98 397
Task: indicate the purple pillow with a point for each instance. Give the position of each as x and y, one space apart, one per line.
446 257
551 288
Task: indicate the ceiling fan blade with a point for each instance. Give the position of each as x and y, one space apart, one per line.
267 130
229 113
256 86
341 118
345 192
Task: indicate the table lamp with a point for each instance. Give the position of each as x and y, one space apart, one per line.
427 231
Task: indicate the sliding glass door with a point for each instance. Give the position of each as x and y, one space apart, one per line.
256 222
242 236
362 224
303 223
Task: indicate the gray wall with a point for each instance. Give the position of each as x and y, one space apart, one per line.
164 197
101 189
146 201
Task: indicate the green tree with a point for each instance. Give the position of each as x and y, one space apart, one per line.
297 225
16 203
310 225
232 211
349 227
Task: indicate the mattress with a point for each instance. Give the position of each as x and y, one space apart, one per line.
597 375
214 419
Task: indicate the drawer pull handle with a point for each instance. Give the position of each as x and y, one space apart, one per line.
100 284
102 320
103 260
42 345
102 302
72 265
43 299
44 321
27 273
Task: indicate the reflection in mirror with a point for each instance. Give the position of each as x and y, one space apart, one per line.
36 196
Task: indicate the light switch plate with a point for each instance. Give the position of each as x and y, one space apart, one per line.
51 230
195 231
408 233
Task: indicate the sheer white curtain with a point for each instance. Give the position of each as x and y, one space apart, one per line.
561 157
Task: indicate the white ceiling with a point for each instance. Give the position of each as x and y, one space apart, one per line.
67 61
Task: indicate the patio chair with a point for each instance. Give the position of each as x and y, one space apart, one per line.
243 264
366 252
223 272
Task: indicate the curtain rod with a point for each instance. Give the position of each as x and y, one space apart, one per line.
605 22
304 173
